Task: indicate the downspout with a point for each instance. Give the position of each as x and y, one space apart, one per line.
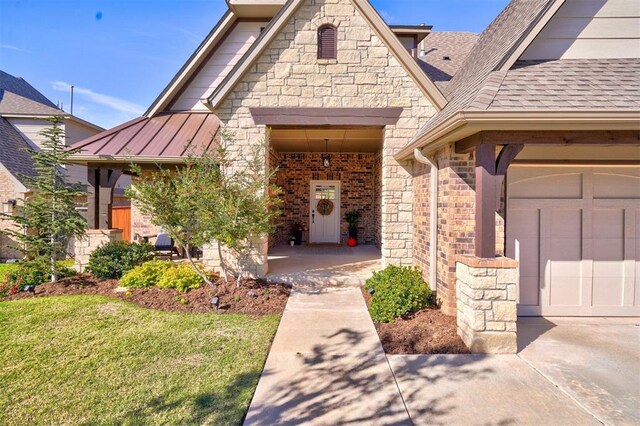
433 215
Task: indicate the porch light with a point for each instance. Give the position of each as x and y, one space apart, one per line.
215 301
326 158
8 206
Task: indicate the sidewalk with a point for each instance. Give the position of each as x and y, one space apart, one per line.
326 365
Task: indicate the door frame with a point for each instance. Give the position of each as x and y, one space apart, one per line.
338 206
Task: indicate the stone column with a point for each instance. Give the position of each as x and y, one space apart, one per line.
486 293
257 265
94 239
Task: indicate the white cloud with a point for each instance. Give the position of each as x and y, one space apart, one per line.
111 102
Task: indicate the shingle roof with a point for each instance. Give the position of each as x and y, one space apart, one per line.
445 52
19 97
570 84
13 152
498 40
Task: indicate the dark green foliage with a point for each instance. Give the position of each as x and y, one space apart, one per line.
352 217
397 291
48 215
30 273
116 258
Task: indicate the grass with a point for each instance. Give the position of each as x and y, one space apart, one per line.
97 360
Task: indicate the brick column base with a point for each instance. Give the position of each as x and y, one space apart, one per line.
94 239
486 291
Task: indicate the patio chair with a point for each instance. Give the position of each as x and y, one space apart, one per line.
164 246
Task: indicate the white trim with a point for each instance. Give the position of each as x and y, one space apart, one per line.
173 88
531 35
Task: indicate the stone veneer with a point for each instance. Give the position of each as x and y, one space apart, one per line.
8 248
359 191
365 74
486 292
94 239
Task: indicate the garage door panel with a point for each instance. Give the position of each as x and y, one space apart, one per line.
616 185
608 291
566 223
529 293
589 248
565 291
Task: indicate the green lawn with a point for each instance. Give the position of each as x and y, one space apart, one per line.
96 360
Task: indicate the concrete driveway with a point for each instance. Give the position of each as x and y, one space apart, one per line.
568 372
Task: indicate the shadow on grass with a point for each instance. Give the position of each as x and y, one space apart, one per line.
228 405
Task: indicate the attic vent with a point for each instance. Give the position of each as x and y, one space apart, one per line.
446 58
327 42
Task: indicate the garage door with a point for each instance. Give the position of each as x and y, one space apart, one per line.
576 233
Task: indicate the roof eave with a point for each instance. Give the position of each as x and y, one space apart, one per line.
124 159
192 64
376 22
467 123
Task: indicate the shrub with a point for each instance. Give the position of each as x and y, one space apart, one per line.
181 277
114 259
146 275
397 291
32 273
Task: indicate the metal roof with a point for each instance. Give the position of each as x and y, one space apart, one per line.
166 135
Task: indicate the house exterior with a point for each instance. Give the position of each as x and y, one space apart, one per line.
506 165
24 112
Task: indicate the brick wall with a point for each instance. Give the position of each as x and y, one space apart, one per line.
456 220
365 74
357 174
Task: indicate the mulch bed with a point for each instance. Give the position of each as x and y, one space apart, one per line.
253 297
428 331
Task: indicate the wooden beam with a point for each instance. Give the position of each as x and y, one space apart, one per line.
93 197
506 157
486 193
108 179
549 137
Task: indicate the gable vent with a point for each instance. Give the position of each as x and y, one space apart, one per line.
327 42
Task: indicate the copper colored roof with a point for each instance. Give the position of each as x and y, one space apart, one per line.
167 135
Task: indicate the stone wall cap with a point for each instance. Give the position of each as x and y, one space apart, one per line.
103 231
496 263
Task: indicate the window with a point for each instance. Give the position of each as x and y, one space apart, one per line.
327 42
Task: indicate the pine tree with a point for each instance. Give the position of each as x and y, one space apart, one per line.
47 219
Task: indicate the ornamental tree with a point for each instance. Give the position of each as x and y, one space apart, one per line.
47 219
215 198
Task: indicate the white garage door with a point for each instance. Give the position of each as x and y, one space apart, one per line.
576 233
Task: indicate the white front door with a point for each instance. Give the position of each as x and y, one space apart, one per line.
324 210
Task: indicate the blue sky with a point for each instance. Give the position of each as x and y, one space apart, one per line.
120 54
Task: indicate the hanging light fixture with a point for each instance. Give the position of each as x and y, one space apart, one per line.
326 158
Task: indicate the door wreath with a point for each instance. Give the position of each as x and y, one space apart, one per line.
325 207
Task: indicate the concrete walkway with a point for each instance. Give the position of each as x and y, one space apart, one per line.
326 365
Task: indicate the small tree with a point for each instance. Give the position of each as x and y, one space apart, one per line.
47 219
215 197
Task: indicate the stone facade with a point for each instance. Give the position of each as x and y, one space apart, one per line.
365 74
359 191
94 239
8 191
486 292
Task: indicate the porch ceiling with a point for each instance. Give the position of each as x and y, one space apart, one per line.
365 139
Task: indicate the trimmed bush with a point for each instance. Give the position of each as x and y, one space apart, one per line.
181 277
33 272
146 275
397 291
114 259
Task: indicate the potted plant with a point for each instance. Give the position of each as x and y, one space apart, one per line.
296 233
352 217
292 240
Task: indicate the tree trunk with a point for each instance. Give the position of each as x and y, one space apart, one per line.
222 265
195 267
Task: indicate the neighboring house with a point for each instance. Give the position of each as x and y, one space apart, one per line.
551 86
23 115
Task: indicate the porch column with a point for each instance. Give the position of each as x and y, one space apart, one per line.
490 174
100 196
